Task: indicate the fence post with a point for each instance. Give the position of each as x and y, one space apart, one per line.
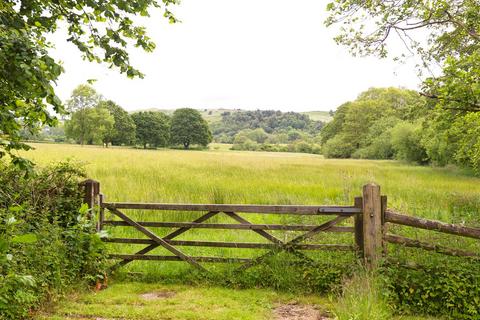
91 193
372 225
358 220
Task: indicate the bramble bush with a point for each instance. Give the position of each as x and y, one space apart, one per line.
47 241
450 287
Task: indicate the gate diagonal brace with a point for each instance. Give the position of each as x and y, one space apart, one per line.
268 236
288 246
170 236
157 239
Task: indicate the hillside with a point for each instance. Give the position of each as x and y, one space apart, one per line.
323 116
214 115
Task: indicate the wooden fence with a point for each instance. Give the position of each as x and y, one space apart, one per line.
370 224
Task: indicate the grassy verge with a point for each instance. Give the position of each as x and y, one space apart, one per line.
137 300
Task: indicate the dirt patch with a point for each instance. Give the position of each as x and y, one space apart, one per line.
296 311
157 295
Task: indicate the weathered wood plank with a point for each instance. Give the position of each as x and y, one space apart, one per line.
176 258
194 225
172 235
267 209
429 246
261 232
372 225
325 226
157 239
393 217
240 245
358 226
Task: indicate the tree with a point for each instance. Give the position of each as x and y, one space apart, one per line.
188 127
362 125
89 125
83 97
451 28
123 131
406 141
152 128
99 29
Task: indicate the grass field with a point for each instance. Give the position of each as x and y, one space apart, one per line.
223 176
268 178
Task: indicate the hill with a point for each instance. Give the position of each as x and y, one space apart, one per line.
323 116
214 115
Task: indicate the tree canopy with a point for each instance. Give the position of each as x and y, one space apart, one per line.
188 128
123 130
90 125
444 32
152 128
100 30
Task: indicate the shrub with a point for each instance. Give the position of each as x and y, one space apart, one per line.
337 147
406 141
450 287
47 241
303 147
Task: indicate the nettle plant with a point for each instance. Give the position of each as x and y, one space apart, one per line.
16 289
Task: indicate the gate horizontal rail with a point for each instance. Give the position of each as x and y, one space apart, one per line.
259 209
239 245
227 226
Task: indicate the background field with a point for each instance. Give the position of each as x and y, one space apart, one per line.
222 176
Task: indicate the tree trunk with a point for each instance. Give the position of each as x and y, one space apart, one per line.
144 146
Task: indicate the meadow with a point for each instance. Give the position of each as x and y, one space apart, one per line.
219 175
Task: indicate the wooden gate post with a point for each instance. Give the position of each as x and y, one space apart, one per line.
358 224
372 225
91 193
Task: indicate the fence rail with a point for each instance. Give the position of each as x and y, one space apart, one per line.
258 209
370 220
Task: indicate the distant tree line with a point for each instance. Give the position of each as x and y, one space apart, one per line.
268 130
94 120
392 123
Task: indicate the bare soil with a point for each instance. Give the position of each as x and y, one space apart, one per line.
157 295
295 311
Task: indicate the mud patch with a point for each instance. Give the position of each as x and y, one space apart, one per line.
157 295
295 311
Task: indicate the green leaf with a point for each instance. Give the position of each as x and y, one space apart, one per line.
25 238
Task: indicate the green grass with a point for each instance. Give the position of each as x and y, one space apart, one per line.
268 178
319 115
127 301
222 176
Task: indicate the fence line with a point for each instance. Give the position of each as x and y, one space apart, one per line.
370 213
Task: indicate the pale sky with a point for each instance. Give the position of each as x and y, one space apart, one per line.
249 54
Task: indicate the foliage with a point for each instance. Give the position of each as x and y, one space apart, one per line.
90 125
152 128
406 141
269 121
46 240
361 128
100 30
363 297
450 288
123 131
366 26
188 127
83 97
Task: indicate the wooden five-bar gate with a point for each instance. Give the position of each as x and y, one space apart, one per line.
369 212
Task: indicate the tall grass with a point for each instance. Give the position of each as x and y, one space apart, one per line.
362 298
222 176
